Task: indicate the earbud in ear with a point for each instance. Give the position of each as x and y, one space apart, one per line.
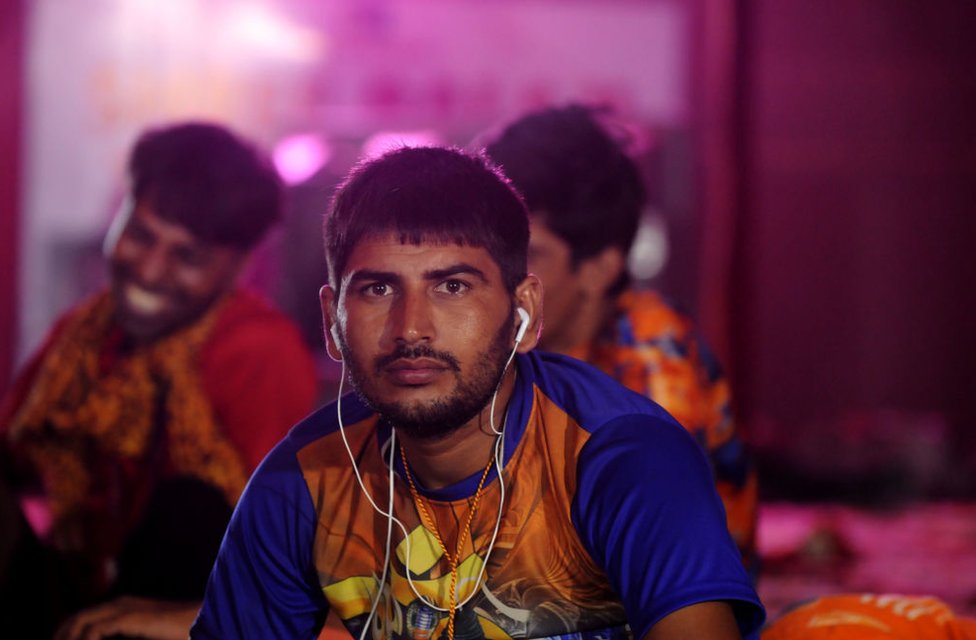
337 353
523 325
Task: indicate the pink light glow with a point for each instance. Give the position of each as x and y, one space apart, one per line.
298 157
258 28
37 511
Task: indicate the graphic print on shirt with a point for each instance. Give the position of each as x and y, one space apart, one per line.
539 581
401 614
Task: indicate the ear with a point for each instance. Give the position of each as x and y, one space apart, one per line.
528 295
599 272
330 322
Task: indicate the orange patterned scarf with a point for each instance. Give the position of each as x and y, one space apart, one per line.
95 432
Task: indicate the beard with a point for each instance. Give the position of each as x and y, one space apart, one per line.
436 419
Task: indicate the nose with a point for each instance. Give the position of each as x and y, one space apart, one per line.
411 318
151 265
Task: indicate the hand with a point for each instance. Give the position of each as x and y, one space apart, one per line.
132 617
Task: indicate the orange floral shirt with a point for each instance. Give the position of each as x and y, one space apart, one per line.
654 350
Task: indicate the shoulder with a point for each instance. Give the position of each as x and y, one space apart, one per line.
246 313
588 396
610 430
645 508
257 373
250 334
317 440
645 314
646 320
319 425
263 581
282 471
659 460
302 474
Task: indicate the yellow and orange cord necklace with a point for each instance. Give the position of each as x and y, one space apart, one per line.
455 558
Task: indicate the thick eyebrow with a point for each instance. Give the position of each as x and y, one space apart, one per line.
371 275
460 268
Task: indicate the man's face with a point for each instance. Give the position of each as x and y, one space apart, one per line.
425 330
162 277
550 258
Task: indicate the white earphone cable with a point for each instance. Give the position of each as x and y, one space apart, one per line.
499 450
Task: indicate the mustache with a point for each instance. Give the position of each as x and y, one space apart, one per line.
404 352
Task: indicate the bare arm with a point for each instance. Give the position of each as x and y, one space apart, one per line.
712 620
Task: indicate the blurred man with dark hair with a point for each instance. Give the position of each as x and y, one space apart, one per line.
585 197
135 428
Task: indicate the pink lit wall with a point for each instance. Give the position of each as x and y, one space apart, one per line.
337 71
832 148
11 84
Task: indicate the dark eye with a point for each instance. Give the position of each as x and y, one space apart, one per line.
191 257
453 287
376 290
138 233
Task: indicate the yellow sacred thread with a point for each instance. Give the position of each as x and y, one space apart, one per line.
455 559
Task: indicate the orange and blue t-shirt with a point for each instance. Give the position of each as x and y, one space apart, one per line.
610 522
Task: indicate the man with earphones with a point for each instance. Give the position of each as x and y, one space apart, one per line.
470 487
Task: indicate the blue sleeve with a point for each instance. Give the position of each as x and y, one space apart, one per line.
264 584
647 511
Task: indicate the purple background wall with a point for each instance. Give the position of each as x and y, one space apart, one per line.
11 82
855 280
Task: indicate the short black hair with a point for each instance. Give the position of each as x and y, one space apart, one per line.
429 194
207 179
575 176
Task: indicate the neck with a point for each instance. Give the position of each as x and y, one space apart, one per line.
465 451
590 316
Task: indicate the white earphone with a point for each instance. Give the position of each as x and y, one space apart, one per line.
523 326
334 331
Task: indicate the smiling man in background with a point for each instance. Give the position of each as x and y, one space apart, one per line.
134 429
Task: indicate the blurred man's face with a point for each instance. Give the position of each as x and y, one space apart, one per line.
550 258
162 277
